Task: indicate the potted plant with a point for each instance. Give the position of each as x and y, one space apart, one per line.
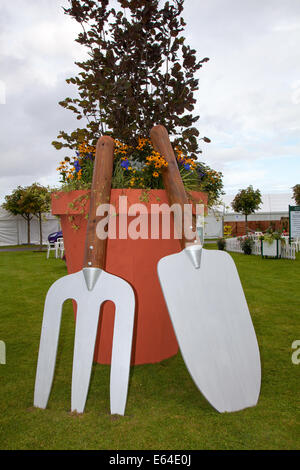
247 244
221 243
138 176
139 72
271 244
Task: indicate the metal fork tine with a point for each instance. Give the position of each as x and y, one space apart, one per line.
121 351
85 338
48 344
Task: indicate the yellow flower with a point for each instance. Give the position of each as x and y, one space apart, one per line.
155 174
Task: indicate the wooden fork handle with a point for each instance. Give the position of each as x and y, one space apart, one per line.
95 247
171 178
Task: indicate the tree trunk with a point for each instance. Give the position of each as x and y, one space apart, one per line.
28 229
41 233
246 224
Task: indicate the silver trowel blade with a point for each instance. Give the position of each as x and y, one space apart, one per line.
214 330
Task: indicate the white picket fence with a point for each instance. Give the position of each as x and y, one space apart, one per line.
233 244
287 251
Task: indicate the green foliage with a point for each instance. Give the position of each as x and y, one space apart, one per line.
29 201
247 244
120 180
20 202
140 71
247 201
296 193
270 236
211 183
42 203
221 243
41 198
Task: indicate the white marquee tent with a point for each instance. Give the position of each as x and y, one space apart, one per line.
13 229
271 203
273 207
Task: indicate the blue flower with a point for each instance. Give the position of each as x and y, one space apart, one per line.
125 164
187 166
77 166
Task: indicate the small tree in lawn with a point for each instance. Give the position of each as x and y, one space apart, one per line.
29 201
21 201
246 202
41 204
296 193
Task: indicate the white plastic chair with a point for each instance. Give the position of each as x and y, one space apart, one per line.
296 243
51 247
60 247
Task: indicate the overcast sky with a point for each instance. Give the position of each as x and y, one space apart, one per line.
249 96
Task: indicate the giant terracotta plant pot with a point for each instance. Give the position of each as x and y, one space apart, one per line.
133 260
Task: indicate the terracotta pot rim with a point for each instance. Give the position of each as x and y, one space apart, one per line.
75 202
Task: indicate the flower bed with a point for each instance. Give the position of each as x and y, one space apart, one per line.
139 167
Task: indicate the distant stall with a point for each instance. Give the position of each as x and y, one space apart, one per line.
273 213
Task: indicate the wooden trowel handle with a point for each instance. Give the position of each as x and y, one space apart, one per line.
171 176
95 248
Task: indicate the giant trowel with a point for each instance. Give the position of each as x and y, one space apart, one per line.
208 309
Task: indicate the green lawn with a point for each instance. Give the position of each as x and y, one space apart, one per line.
24 246
164 408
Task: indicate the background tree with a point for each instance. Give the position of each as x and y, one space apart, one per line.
21 202
246 202
296 193
29 201
140 72
41 204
